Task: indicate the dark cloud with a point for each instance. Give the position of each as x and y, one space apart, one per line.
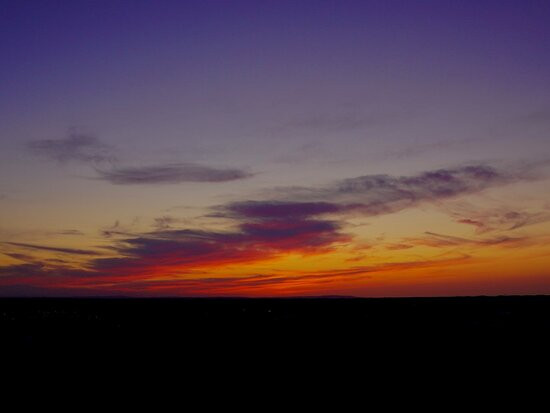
53 249
266 229
49 271
21 270
252 241
382 190
260 232
170 174
26 290
292 234
76 147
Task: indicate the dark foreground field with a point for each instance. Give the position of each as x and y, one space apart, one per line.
231 326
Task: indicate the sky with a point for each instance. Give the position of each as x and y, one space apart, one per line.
274 148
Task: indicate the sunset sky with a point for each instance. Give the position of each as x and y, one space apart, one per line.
274 148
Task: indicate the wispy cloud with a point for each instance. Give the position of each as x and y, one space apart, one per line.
495 219
433 239
53 249
372 195
76 148
165 222
170 174
18 256
399 246
90 150
381 192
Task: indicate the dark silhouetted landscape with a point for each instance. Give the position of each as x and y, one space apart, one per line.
201 325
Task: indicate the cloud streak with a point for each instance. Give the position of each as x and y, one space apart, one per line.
170 174
433 239
31 278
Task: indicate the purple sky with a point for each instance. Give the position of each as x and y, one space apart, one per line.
119 113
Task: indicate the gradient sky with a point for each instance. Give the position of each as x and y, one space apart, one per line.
274 148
